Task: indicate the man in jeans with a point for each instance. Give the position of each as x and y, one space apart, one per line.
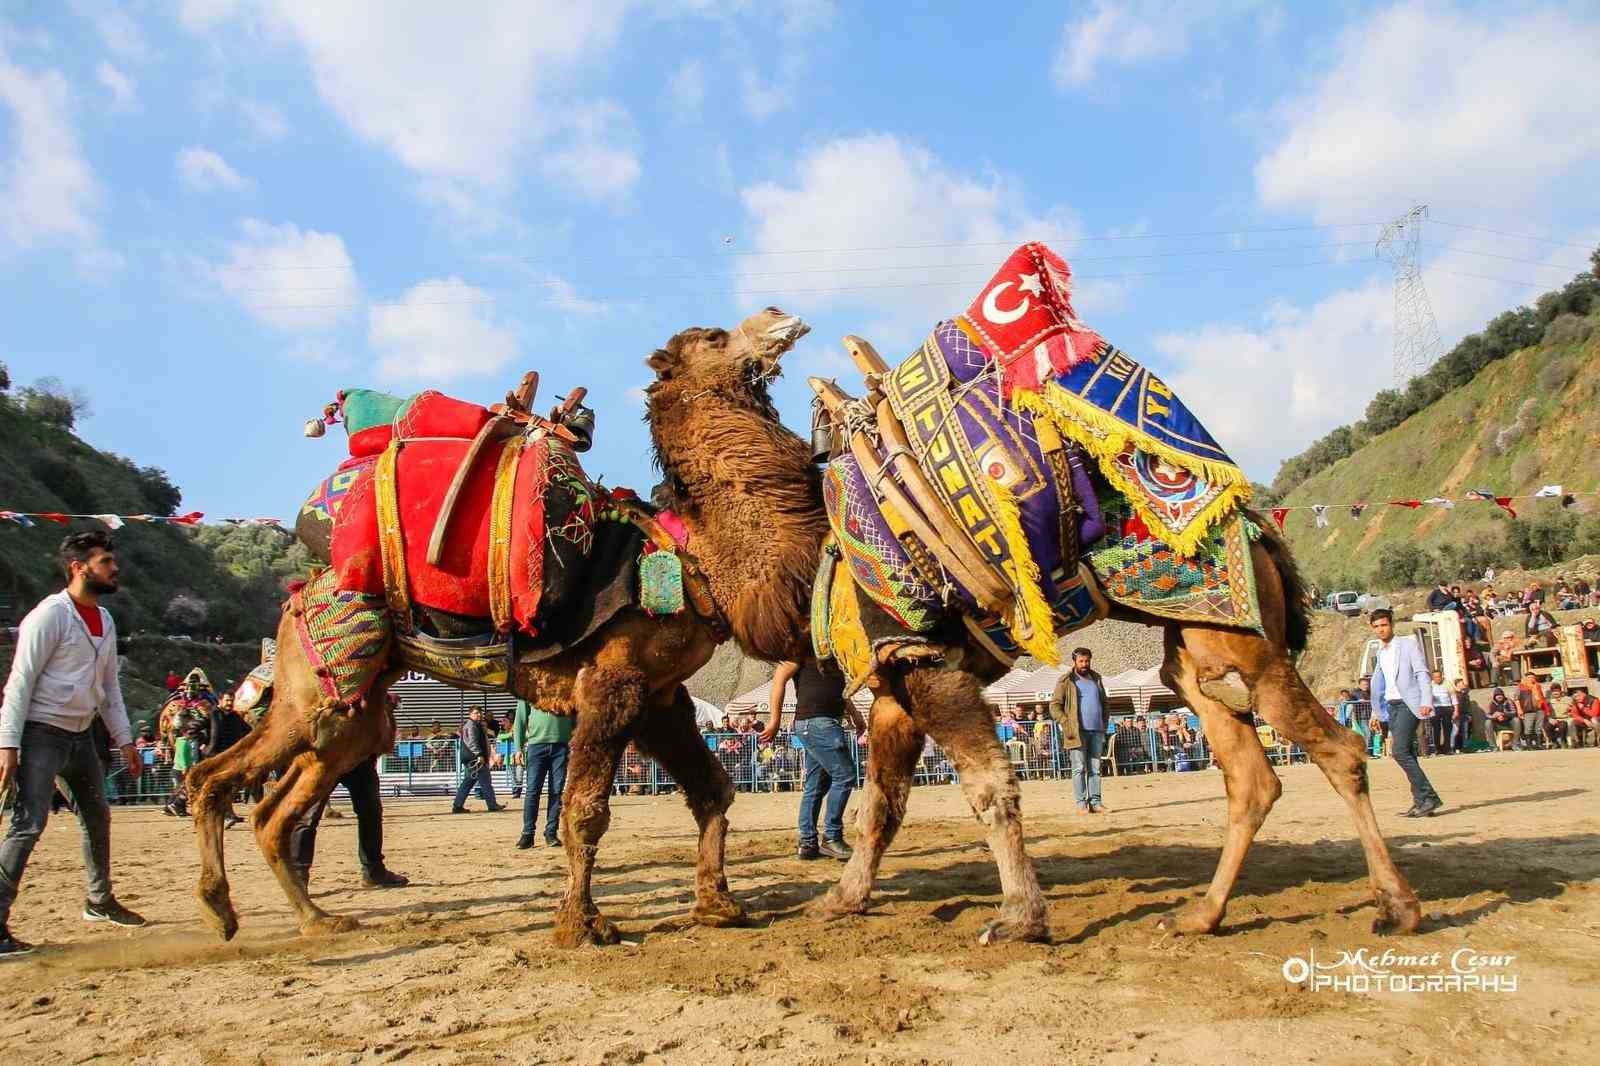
478 757
1078 705
64 674
1401 683
541 740
820 708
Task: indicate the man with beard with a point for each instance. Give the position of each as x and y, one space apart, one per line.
63 677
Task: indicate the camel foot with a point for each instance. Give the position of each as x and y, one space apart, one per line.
327 924
594 929
1397 913
217 910
833 905
718 911
1199 918
1026 930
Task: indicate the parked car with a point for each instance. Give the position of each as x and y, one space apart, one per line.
1346 603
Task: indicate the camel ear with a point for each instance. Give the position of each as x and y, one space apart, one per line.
662 362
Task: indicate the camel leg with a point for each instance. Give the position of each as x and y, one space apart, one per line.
1284 701
1247 775
668 735
309 781
212 784
949 705
611 700
892 758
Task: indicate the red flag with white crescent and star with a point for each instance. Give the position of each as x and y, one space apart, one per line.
1279 514
1024 319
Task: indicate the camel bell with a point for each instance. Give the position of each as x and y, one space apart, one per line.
315 427
821 433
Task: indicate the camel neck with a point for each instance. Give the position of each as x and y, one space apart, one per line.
752 502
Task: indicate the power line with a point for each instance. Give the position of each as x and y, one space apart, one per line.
1057 239
1514 236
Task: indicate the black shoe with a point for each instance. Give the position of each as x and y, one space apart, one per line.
551 843
458 810
836 849
231 821
809 851
1425 810
11 947
383 877
525 841
112 912
497 810
1410 812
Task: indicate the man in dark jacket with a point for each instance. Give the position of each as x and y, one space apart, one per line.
1079 706
477 756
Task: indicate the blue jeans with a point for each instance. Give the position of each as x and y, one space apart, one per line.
1402 740
1086 767
830 770
476 775
544 761
47 752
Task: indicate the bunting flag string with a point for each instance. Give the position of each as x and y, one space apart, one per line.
30 519
1319 511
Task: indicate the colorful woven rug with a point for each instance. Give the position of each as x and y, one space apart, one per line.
345 635
1215 584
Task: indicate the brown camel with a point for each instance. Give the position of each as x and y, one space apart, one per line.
753 509
1224 674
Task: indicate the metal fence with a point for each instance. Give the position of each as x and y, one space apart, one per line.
434 766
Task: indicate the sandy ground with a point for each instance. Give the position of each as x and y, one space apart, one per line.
459 966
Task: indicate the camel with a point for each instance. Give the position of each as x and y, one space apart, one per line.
1222 673
754 515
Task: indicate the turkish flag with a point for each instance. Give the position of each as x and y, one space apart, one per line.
1280 515
1024 319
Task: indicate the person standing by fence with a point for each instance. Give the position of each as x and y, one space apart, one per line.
1402 685
820 708
1078 704
477 757
541 741
63 676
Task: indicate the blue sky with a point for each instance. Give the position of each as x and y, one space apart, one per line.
215 213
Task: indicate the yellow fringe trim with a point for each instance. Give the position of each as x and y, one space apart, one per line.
1105 437
391 537
1038 636
500 508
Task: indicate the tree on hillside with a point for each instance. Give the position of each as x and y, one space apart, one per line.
51 402
5 378
1544 539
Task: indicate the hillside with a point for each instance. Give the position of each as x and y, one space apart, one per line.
210 580
1525 421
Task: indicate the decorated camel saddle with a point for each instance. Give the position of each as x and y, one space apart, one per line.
1015 475
471 536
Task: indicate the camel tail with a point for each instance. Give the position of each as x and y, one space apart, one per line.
1297 601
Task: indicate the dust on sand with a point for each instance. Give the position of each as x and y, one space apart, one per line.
459 967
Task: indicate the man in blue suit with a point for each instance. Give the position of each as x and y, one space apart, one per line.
1401 683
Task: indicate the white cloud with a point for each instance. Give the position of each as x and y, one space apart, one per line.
1430 101
686 90
205 171
1122 32
120 34
119 85
1267 389
458 93
438 331
298 281
883 193
48 191
593 159
264 120
563 296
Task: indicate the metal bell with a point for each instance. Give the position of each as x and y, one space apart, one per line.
821 433
315 427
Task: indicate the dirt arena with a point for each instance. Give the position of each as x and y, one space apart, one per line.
459 968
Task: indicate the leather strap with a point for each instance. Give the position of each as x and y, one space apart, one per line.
696 586
495 427
391 538
505 480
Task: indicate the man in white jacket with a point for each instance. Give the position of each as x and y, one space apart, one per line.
63 676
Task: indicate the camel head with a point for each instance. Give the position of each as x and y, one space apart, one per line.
740 364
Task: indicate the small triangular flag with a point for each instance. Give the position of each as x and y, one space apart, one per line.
1505 505
56 517
1356 509
1440 501
1319 511
1413 504
1279 515
1548 492
1480 494
114 521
